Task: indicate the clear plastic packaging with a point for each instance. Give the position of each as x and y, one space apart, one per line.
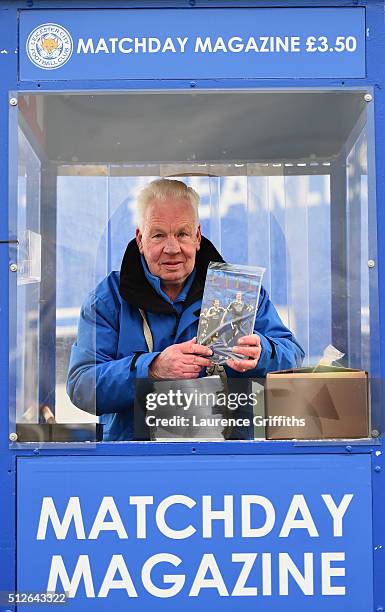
330 355
229 307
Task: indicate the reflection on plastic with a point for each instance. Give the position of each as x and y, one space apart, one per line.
208 408
329 356
57 432
292 405
229 307
332 402
29 258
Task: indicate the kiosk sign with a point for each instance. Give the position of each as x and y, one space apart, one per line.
172 533
249 43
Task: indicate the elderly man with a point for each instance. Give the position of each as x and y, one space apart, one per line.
143 322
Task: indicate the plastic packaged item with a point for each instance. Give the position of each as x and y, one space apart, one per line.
229 307
330 355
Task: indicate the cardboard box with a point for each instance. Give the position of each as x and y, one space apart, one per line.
328 402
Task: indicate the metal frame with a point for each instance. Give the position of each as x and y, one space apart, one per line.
376 80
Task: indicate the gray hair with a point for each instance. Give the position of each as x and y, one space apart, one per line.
162 189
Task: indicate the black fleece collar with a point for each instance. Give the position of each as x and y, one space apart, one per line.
137 291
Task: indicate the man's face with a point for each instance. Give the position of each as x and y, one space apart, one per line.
169 240
238 297
216 304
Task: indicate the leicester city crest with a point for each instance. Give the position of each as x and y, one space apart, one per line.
49 46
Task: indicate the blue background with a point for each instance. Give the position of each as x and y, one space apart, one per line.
301 22
277 478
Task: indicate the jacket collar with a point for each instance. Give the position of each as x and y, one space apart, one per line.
137 291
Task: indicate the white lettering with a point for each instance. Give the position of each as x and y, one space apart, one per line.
102 46
208 563
287 566
153 45
248 559
87 47
220 45
266 573
337 512
140 45
125 49
141 501
177 581
72 512
256 532
264 48
82 570
282 44
113 42
295 44
174 534
298 503
235 44
328 572
188 398
100 524
117 563
203 45
182 43
251 45
168 46
210 515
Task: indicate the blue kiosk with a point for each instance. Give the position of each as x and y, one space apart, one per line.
275 113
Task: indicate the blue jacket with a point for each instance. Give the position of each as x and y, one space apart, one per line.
111 351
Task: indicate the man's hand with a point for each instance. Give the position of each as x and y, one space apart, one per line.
184 360
250 346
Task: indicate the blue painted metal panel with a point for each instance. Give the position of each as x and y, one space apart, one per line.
8 71
211 43
260 447
376 76
91 479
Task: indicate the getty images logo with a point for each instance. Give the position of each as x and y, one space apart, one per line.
49 46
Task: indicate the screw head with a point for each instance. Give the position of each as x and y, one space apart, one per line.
371 263
13 437
368 97
13 267
13 101
375 433
377 468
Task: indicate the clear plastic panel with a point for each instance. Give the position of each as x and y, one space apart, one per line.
283 184
29 258
25 356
